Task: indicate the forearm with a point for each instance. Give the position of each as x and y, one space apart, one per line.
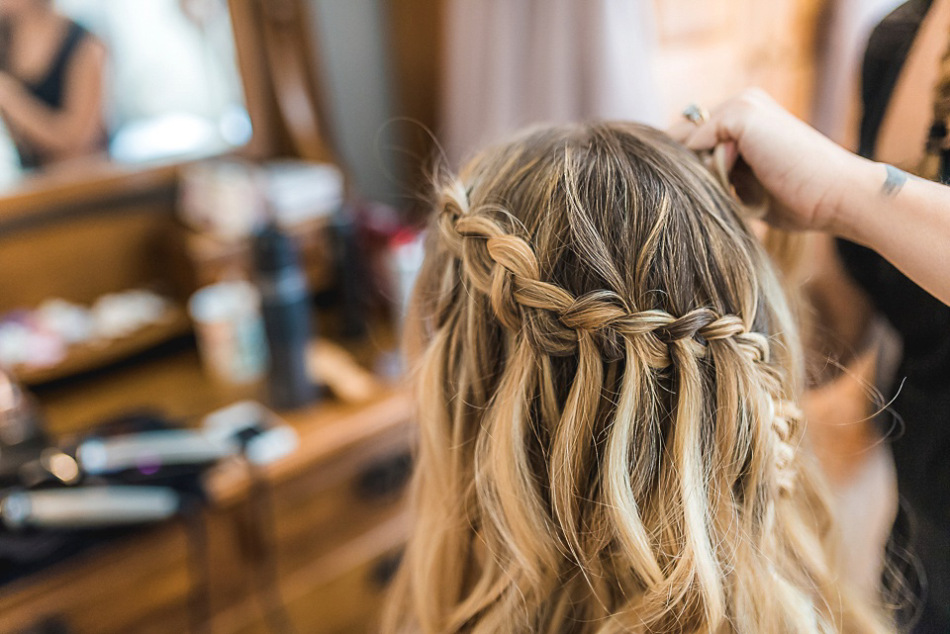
51 131
910 225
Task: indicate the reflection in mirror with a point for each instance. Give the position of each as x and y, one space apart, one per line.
133 82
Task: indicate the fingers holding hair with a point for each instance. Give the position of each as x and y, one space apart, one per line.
725 124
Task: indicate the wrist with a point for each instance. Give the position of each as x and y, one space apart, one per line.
857 186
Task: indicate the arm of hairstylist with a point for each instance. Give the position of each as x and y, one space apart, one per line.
820 186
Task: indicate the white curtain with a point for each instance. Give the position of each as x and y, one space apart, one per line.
511 63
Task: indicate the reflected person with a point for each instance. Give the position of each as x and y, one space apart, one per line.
51 83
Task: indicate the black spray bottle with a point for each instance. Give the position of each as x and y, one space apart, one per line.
285 305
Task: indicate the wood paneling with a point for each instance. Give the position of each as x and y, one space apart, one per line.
711 50
92 183
416 32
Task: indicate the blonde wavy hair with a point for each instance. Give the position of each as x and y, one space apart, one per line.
607 378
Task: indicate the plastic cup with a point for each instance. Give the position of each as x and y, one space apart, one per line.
230 332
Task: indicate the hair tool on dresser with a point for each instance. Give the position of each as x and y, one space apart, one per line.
134 476
136 470
243 428
46 488
88 507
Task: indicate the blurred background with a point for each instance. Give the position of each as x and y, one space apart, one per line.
210 220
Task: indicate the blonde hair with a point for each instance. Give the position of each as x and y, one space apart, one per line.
607 380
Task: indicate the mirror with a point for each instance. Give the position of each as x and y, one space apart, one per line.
140 82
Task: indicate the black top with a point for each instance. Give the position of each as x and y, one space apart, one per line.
50 89
921 434
922 321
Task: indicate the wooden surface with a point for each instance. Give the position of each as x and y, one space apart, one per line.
294 78
82 184
172 383
81 257
270 137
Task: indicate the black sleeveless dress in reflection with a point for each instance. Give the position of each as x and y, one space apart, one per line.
50 89
921 437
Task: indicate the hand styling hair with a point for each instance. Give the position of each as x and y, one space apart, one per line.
608 371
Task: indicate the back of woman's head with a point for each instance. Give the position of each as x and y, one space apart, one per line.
607 378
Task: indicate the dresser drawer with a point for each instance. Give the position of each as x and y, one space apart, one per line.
339 593
120 588
317 512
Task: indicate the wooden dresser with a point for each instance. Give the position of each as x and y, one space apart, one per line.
311 539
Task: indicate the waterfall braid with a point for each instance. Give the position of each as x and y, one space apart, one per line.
607 378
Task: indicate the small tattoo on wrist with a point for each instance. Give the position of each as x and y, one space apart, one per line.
895 180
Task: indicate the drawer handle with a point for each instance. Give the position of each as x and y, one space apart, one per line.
385 569
385 478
